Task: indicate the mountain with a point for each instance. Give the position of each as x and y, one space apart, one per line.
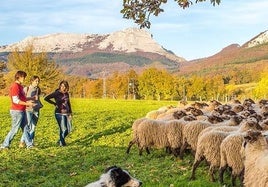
251 55
95 55
92 54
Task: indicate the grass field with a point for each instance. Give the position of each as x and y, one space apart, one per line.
101 133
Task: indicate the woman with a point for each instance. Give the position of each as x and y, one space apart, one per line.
32 92
17 111
63 111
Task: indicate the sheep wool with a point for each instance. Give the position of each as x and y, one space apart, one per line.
208 146
135 125
256 160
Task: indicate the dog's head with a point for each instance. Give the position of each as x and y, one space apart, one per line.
121 178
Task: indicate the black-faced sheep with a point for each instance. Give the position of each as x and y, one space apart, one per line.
192 130
190 133
230 152
154 113
227 126
208 147
255 152
174 113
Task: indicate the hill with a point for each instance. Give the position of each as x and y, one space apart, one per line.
251 55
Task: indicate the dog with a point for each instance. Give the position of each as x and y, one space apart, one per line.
115 177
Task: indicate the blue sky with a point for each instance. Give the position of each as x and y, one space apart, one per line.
199 31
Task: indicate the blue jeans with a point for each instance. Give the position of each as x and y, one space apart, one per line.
18 121
64 127
32 119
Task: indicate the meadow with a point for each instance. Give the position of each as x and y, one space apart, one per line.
99 139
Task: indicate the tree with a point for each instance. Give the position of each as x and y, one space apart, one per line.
156 84
117 85
2 81
141 10
34 64
261 89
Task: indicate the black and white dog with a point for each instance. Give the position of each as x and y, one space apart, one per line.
115 177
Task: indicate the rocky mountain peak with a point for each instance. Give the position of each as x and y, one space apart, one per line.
257 40
127 41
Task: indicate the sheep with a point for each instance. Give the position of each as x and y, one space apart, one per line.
159 134
264 124
154 113
227 126
264 111
134 131
192 130
231 157
148 136
208 147
190 133
199 105
263 102
174 134
205 144
238 108
255 150
171 114
230 152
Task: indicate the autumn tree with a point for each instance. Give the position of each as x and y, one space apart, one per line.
214 86
181 84
2 81
141 10
96 89
196 88
34 64
156 84
118 85
261 90
79 86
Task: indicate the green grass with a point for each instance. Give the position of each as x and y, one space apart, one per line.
101 132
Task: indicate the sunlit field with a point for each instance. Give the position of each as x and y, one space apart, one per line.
100 136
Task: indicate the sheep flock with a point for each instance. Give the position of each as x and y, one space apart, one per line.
228 137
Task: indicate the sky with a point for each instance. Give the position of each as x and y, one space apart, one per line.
196 32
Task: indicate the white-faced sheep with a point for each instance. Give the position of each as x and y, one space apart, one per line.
255 152
208 147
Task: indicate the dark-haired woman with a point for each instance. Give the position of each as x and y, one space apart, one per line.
63 112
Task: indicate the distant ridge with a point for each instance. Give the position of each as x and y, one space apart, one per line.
252 54
92 54
89 54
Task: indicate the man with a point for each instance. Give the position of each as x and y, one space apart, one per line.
17 111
